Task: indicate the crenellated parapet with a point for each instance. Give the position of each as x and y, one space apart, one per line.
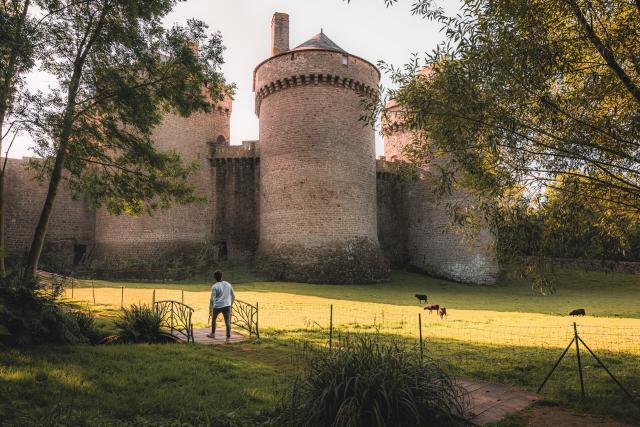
220 153
386 169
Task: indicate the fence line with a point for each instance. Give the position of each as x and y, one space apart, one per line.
301 318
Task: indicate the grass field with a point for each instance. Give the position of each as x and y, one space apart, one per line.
510 314
504 333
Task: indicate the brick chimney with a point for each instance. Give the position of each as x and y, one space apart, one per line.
279 33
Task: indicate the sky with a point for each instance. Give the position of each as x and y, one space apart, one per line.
365 28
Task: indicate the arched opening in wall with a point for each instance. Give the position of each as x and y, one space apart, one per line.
221 140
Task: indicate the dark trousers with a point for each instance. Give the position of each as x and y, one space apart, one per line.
226 313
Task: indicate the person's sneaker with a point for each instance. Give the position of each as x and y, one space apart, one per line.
211 336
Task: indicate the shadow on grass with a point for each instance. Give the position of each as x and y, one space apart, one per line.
525 368
162 383
155 383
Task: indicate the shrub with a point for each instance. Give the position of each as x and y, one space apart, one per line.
140 324
369 381
29 314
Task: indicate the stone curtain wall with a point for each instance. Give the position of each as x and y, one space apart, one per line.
235 197
180 230
391 230
318 179
431 244
72 222
435 248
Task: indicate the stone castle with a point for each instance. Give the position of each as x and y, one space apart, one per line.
306 202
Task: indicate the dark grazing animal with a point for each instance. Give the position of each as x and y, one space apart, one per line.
578 312
442 312
432 307
422 298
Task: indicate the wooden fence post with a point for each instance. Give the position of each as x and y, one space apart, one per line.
257 317
153 298
182 296
122 297
331 327
575 338
93 289
420 326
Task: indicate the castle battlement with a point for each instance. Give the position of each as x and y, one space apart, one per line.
248 150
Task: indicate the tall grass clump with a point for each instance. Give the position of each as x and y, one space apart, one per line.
140 324
370 381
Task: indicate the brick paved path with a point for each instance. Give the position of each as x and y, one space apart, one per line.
491 402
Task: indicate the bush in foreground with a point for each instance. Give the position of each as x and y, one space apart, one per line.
140 324
30 314
369 381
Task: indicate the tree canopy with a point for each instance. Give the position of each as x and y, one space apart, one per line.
523 93
119 72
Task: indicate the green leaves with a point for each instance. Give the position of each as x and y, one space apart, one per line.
130 72
522 95
370 380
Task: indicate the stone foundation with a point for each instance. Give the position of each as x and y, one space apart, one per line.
353 261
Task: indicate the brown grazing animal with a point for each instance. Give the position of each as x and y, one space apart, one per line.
422 298
432 307
578 312
442 312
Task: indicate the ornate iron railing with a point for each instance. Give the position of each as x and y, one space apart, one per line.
245 316
176 317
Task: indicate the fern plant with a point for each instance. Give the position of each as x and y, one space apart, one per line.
140 324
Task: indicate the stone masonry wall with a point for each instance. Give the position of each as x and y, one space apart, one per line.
180 230
72 222
235 197
435 248
391 230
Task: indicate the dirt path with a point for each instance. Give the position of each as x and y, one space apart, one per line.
546 416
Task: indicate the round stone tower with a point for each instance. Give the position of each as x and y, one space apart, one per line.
318 218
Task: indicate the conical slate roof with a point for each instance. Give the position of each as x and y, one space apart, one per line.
320 41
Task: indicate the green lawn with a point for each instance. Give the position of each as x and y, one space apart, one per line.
110 384
601 294
164 383
153 383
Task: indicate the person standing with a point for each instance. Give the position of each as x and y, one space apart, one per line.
222 298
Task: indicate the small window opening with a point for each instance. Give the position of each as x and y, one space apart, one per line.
345 60
293 56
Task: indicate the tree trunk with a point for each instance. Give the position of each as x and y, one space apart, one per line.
5 95
40 233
